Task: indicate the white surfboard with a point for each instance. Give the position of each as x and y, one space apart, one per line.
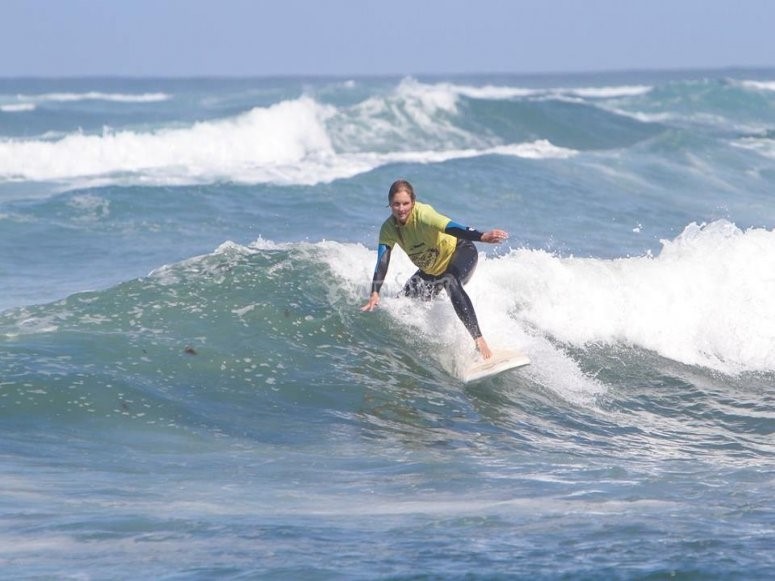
501 360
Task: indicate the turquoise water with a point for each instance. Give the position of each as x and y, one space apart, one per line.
188 388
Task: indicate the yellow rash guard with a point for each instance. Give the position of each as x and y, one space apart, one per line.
422 238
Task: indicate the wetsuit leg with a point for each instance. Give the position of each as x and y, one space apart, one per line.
461 268
458 273
462 305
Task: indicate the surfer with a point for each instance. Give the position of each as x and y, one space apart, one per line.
443 251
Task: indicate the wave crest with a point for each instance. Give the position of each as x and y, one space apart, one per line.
268 137
704 300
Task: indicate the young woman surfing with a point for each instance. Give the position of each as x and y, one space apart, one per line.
442 250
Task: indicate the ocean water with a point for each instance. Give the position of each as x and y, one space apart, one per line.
188 389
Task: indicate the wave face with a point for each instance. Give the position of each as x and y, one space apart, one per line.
188 387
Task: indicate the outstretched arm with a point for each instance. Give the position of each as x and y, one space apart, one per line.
380 272
466 233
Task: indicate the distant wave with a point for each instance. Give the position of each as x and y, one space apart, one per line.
759 85
504 92
764 145
267 137
446 93
298 141
97 96
306 141
26 103
17 107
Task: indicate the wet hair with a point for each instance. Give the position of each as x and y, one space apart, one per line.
400 186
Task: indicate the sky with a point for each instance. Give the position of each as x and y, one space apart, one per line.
181 38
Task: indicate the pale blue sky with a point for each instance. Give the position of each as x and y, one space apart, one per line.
358 37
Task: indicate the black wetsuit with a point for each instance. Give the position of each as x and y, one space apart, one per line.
458 272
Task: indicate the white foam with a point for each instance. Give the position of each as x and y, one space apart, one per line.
758 85
382 123
493 92
762 146
437 323
28 323
97 96
27 103
272 137
426 112
298 141
90 206
646 117
706 299
539 149
426 98
179 157
607 92
17 107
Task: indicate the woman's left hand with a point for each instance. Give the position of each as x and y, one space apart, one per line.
495 236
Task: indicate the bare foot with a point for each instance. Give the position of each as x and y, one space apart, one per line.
483 348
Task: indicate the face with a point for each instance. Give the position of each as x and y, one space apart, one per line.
401 206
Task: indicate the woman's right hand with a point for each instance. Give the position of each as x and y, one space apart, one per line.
495 236
372 304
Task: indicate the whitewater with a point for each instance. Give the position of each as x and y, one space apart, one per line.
188 388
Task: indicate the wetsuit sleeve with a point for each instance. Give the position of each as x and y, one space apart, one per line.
380 271
464 232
